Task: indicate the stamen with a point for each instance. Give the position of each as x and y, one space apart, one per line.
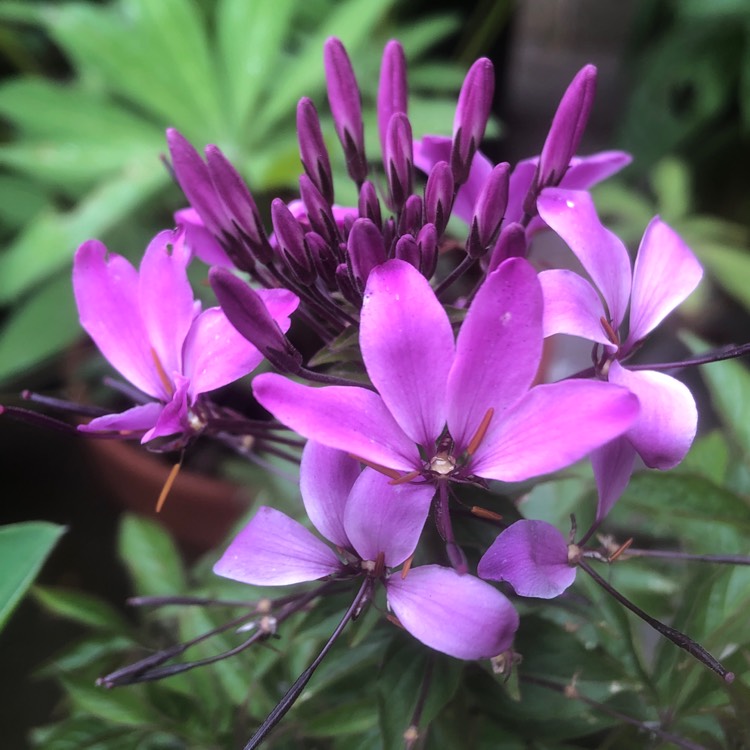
407 566
166 382
484 513
393 619
404 478
481 432
392 473
379 565
620 550
612 335
173 472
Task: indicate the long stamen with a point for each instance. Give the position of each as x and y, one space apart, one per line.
392 473
612 335
407 566
404 478
481 432
489 515
165 381
173 472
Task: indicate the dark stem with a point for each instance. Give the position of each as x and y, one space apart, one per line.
678 638
667 555
424 691
320 377
455 274
575 695
702 359
296 689
70 407
38 420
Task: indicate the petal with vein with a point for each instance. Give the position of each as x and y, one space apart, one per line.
613 465
407 345
553 426
275 550
533 557
382 517
498 349
455 614
136 421
351 419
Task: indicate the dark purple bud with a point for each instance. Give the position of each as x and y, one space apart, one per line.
194 179
489 211
567 128
398 159
411 217
427 239
389 232
407 249
369 205
319 212
239 205
393 92
510 244
472 112
246 311
312 148
346 107
347 286
323 256
291 241
438 196
366 250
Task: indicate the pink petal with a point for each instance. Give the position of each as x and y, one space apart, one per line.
553 426
664 431
216 354
533 557
520 182
666 272
498 349
350 419
613 465
166 297
106 292
382 517
407 344
572 306
131 423
586 171
275 550
199 240
175 416
458 615
572 215
326 478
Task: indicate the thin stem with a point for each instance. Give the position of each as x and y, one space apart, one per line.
38 420
575 695
702 359
670 555
424 691
320 377
455 274
678 638
296 689
70 407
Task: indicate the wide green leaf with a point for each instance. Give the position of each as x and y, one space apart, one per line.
80 607
151 557
23 549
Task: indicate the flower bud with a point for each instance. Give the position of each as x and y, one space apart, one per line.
312 148
392 88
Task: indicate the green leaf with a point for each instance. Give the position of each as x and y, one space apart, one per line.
729 385
47 244
709 456
151 557
20 199
80 607
670 180
23 549
40 327
118 706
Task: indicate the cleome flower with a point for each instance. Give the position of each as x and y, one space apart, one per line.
665 273
376 527
151 329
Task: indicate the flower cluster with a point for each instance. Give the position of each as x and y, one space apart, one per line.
429 375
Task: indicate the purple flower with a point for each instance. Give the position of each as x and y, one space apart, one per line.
665 273
151 329
498 426
583 173
375 527
534 557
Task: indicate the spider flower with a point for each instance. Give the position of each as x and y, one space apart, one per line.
665 273
368 520
153 332
498 426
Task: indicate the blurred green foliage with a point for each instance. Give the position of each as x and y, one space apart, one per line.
82 156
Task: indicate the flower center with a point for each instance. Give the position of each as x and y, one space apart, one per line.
442 464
